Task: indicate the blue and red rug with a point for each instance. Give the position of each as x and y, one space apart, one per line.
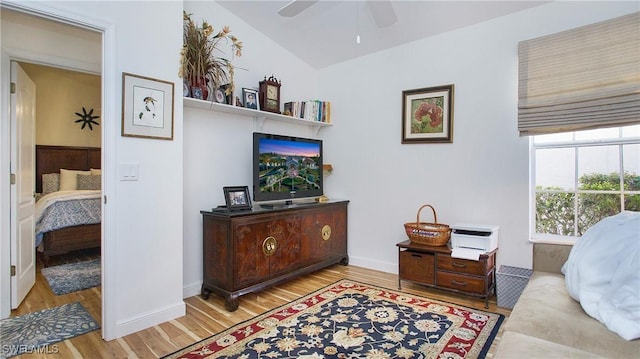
355 320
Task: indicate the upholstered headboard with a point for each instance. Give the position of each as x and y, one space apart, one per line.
50 159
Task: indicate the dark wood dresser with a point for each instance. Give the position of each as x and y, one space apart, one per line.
249 251
434 266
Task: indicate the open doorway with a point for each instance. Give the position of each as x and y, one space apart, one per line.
51 41
68 138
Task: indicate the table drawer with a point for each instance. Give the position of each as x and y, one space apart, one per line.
458 265
460 282
417 267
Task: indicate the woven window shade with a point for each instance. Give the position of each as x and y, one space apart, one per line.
583 78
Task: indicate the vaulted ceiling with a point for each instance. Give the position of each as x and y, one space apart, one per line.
324 33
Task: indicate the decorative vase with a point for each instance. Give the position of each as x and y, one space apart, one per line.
200 90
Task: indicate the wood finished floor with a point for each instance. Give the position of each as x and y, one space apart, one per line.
207 317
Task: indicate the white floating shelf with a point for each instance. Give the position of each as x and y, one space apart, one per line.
258 116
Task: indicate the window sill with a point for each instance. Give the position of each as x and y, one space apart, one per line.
553 239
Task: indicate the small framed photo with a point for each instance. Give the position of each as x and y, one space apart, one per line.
147 107
250 98
427 115
237 198
220 95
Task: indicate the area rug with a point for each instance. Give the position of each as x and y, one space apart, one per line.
354 320
35 332
72 277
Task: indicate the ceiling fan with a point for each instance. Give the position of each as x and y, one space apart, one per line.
382 11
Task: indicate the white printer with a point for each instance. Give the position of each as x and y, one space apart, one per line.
469 241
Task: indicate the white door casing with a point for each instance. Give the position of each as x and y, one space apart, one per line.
23 115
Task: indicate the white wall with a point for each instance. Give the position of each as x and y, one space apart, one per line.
217 146
60 94
142 246
482 177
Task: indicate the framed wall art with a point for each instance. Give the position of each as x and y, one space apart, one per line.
147 107
237 198
427 115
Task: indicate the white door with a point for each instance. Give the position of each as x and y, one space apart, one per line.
23 116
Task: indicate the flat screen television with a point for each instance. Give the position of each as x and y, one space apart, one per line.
286 167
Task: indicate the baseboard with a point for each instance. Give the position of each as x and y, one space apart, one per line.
145 321
195 288
192 289
375 265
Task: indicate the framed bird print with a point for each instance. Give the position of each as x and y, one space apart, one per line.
147 107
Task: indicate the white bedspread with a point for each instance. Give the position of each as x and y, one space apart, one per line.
65 209
48 200
603 273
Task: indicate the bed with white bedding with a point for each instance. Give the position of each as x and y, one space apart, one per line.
68 209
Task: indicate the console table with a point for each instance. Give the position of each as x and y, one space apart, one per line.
434 267
248 251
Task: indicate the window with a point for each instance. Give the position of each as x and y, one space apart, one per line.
582 177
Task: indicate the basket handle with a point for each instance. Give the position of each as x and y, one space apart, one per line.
435 219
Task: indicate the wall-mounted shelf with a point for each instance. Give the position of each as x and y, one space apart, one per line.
258 116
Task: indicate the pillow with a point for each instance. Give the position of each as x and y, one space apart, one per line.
96 171
50 183
89 182
69 179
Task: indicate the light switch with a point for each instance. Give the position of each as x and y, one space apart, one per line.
128 172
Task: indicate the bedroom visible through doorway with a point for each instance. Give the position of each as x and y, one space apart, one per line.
50 45
67 157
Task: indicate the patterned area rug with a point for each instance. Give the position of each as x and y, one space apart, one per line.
72 277
354 320
34 332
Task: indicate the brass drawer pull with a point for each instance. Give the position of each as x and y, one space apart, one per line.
326 232
269 245
458 283
459 265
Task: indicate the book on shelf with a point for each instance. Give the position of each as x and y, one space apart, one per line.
312 110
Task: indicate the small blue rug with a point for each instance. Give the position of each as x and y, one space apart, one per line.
34 332
72 277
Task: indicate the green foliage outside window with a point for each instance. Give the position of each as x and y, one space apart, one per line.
555 210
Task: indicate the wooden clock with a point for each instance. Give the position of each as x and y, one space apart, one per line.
269 94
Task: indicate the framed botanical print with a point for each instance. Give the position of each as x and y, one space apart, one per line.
147 107
427 115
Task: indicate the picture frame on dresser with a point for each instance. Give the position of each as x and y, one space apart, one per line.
237 198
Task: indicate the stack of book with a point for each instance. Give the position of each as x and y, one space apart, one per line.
313 110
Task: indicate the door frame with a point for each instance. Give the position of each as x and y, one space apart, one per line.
109 136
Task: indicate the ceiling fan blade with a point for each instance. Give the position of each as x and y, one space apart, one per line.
382 12
295 7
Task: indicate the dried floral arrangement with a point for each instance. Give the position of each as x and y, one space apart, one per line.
200 64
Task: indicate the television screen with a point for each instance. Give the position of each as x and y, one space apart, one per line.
286 167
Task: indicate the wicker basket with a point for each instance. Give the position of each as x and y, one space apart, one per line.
431 234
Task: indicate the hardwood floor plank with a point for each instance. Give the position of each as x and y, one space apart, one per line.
207 317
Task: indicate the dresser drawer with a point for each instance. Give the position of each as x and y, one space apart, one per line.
417 267
460 282
445 262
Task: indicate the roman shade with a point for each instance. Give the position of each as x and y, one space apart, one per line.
584 78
